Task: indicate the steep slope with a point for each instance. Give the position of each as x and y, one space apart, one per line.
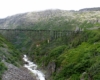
53 20
28 19
74 59
11 63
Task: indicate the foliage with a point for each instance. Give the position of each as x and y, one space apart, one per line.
81 55
2 69
73 55
8 53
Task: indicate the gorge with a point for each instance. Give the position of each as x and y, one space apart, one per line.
65 44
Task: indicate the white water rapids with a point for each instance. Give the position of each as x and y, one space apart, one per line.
33 68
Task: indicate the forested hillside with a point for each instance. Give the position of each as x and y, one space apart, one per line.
77 58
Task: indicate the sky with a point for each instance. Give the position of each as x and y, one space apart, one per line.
12 7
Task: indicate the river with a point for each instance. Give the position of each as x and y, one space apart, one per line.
33 68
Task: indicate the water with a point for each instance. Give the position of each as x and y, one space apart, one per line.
33 68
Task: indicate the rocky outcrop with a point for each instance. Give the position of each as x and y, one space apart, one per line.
15 73
51 68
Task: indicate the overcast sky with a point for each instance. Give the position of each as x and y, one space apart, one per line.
11 7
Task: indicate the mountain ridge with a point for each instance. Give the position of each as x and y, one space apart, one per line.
52 20
90 9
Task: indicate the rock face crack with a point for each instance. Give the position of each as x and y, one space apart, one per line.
15 73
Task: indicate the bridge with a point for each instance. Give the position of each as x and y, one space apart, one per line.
20 35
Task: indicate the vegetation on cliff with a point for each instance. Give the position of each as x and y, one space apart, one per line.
8 54
79 58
